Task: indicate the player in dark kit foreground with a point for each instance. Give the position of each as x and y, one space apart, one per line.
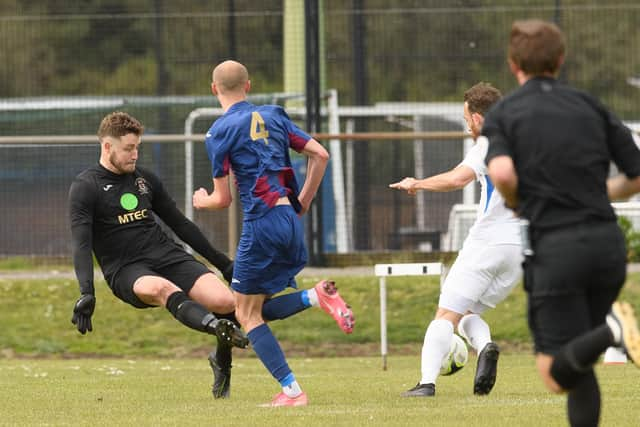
254 142
550 147
112 207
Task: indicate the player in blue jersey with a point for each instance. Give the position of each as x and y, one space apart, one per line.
254 142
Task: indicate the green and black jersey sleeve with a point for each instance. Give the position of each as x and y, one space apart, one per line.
165 207
81 207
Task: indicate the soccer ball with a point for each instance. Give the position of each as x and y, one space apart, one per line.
457 357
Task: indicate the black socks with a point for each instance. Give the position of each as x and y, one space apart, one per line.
578 356
189 312
583 403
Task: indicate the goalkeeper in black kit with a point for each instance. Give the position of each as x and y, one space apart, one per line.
113 207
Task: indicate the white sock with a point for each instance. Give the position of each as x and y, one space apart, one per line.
437 342
615 329
475 330
313 297
292 390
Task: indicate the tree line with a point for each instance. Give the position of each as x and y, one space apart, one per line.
410 50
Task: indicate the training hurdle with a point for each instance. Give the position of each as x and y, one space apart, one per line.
383 271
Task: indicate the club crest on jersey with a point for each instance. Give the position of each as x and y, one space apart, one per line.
141 183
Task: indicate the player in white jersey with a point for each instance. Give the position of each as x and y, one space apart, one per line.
487 267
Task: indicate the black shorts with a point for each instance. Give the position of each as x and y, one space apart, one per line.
183 272
572 280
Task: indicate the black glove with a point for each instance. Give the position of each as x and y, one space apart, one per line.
227 273
82 311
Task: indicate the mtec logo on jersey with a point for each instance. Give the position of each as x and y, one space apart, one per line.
129 202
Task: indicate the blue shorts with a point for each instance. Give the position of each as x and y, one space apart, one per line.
270 253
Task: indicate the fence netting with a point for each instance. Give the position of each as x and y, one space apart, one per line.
399 66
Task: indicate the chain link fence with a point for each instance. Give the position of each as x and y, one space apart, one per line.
394 68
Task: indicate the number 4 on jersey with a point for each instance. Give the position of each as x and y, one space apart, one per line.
258 129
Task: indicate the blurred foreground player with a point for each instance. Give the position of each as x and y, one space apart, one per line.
550 150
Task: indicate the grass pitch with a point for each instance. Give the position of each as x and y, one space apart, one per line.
35 316
161 375
342 391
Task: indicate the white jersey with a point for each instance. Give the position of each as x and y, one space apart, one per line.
495 223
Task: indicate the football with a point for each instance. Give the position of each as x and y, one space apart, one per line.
457 357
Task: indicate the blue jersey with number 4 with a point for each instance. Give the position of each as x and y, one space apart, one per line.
253 142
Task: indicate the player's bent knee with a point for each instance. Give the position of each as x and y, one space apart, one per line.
154 290
213 294
249 310
249 321
551 385
451 316
544 363
224 305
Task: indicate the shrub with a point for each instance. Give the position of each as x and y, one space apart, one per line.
631 237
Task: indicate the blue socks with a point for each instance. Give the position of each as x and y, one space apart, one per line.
268 350
284 306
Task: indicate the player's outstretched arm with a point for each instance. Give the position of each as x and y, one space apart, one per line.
83 264
191 234
165 207
408 184
454 179
82 312
318 159
620 187
81 218
219 198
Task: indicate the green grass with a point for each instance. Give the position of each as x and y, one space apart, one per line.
147 369
27 263
35 316
349 391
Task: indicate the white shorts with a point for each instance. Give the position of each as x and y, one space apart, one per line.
481 277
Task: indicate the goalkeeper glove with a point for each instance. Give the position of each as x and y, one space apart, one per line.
82 311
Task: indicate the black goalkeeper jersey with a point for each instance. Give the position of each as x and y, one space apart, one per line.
113 215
